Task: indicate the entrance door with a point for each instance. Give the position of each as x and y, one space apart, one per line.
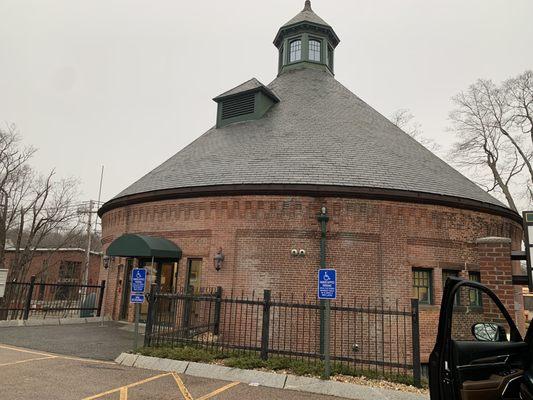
192 285
193 274
126 288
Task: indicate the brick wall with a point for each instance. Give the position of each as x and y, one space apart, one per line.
45 264
373 244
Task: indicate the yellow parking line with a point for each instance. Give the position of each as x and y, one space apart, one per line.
123 393
57 355
218 391
23 350
120 389
28 360
182 387
87 360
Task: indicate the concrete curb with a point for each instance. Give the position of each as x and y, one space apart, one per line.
267 379
51 321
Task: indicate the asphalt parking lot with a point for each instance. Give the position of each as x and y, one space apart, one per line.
96 341
28 374
74 362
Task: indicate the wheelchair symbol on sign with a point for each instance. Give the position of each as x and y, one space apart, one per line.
139 276
326 276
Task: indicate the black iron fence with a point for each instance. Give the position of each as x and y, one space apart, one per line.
23 300
375 336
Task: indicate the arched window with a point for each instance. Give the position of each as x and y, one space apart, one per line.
314 50
295 53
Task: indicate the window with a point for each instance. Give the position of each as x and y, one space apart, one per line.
330 57
69 271
445 275
295 53
422 285
474 295
314 50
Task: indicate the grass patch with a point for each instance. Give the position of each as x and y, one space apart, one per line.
244 360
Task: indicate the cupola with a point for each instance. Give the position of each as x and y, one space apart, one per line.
306 41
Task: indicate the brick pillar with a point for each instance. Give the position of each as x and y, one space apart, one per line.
496 268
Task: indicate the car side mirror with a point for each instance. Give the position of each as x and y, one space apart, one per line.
489 332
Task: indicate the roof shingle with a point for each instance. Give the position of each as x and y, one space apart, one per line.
319 133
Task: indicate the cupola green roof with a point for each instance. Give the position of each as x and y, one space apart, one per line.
307 15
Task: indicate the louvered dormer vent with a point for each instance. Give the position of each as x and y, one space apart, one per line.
237 106
246 102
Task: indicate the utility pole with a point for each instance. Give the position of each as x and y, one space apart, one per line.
88 250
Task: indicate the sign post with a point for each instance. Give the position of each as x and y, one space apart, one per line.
327 291
138 286
528 236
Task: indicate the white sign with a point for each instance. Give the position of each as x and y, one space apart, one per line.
3 279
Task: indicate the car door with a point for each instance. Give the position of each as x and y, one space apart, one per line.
479 352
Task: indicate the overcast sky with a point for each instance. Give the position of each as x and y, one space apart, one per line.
128 83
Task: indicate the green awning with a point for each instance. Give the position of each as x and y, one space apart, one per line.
140 246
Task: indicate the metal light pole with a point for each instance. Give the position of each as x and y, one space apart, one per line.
323 218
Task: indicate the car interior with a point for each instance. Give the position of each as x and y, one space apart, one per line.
480 354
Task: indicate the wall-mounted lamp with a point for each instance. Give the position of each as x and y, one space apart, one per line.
108 260
218 259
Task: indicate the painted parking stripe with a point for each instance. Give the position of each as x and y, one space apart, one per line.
218 391
21 350
2 346
28 360
121 388
182 387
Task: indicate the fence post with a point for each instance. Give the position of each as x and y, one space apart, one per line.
100 299
218 304
29 295
151 315
266 325
415 332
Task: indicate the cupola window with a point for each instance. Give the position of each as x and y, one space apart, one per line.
295 53
314 50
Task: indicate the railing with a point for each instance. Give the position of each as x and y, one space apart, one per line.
375 335
23 300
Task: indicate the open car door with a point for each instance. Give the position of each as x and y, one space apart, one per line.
479 353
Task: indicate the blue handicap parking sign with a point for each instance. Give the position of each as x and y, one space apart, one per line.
327 284
138 280
136 298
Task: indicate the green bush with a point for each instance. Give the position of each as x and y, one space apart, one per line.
251 360
244 362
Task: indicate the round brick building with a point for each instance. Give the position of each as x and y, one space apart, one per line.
251 188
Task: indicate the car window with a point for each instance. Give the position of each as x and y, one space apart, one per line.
477 317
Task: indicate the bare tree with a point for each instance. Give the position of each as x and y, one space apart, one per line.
49 206
405 120
483 121
14 177
32 206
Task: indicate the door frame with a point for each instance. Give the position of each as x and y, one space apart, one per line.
442 382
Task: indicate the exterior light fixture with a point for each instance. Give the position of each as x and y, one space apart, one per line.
324 210
106 262
294 252
218 259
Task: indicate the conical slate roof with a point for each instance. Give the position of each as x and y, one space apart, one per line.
319 133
